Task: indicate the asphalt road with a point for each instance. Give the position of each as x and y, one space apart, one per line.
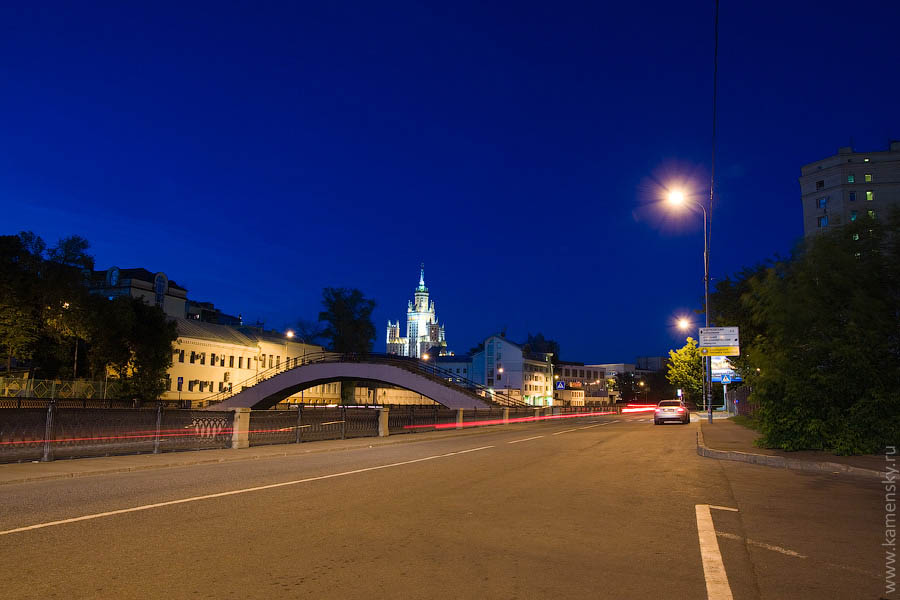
593 508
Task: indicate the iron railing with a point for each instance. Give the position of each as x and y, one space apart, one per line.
54 431
18 387
414 365
413 418
311 423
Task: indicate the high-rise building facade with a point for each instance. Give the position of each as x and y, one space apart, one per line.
849 186
422 329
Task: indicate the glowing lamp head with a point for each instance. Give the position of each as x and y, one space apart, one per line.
425 356
683 324
676 198
289 334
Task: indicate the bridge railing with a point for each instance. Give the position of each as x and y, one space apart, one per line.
426 369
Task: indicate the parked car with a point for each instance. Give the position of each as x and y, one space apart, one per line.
671 410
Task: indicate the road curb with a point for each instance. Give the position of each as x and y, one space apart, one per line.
783 462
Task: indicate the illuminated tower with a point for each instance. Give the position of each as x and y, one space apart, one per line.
422 328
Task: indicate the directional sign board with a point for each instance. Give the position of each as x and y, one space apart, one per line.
718 336
719 341
560 385
721 351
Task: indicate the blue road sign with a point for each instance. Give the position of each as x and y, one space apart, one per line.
180 380
726 379
560 385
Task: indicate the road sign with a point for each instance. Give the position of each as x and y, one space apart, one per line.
726 379
720 366
679 392
180 380
560 385
721 351
713 337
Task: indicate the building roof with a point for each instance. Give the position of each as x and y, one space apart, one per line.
192 328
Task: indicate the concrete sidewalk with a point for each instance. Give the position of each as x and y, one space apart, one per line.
727 440
11 473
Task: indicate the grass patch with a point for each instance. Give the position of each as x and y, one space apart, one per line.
744 421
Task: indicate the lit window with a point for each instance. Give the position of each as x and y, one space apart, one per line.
821 202
823 221
870 195
865 160
868 178
871 214
852 215
852 196
851 178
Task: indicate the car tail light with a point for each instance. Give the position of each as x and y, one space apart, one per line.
680 409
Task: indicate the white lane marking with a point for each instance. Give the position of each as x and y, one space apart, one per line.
566 431
234 492
732 536
717 587
589 426
525 440
592 421
717 507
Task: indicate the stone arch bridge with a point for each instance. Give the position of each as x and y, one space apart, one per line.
274 385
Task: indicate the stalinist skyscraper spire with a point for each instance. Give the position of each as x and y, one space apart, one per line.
422 328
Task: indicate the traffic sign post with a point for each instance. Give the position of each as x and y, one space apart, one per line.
719 341
560 385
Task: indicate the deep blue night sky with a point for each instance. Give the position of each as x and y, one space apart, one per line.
257 153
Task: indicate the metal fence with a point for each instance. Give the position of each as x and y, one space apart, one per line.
53 432
411 418
739 401
18 387
310 423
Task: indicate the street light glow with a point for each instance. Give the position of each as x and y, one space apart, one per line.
289 334
676 197
425 356
683 324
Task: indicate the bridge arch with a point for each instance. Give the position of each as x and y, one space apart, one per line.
268 391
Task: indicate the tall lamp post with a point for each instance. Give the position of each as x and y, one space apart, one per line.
677 199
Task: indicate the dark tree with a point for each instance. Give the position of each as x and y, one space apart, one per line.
347 316
537 343
348 327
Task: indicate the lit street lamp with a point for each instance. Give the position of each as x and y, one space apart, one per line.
677 199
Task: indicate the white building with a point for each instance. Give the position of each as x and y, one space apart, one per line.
422 329
503 366
578 384
849 186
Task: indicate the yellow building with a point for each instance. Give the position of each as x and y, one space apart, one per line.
209 358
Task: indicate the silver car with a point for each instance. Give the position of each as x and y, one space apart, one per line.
671 410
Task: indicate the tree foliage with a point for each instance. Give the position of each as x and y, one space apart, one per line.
46 311
347 316
539 344
685 371
822 345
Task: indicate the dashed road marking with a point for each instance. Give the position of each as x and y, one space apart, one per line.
565 431
525 440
